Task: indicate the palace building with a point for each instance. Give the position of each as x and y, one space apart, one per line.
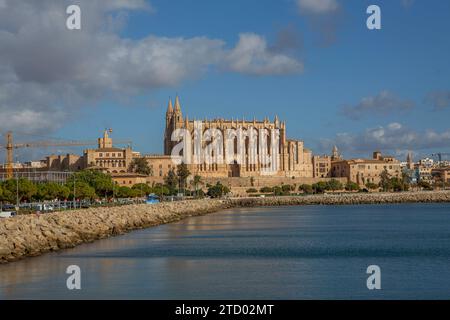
292 158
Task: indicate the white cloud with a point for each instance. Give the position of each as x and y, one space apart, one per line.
393 137
317 6
251 55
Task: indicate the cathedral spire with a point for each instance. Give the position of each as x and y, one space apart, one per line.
177 104
169 107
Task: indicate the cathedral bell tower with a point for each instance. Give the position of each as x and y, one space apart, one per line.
174 120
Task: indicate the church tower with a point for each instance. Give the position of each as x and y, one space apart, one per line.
335 155
169 128
177 115
174 120
409 161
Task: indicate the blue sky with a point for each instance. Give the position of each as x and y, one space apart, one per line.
337 82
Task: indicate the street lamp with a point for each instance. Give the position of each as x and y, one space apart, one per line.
17 187
74 201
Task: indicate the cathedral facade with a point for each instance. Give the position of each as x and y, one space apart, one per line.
289 158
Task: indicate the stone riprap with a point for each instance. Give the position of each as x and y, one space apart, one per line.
32 235
346 199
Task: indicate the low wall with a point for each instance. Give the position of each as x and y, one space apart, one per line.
346 199
32 235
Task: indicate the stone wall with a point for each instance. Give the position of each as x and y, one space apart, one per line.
346 199
266 181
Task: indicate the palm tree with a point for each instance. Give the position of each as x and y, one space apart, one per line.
197 181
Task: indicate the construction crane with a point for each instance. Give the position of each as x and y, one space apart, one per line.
10 146
439 155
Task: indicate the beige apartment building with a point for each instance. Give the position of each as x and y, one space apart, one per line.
363 171
160 165
441 174
105 157
322 166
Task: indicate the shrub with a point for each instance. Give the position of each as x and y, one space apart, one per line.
218 190
320 187
352 186
334 185
266 189
306 188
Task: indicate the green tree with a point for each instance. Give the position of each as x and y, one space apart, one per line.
385 178
396 184
406 180
48 191
161 190
352 186
26 189
334 185
320 187
140 165
142 189
306 188
278 191
425 185
171 181
101 182
371 186
82 190
126 192
218 190
183 173
196 182
251 190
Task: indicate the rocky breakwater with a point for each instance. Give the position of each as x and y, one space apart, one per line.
32 235
346 199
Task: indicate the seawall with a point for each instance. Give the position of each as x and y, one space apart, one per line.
346 199
32 235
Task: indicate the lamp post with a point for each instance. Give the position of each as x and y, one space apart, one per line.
17 187
74 201
17 191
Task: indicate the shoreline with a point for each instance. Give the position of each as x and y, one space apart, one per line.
30 235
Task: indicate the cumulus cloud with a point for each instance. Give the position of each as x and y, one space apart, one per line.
393 137
384 103
49 71
251 55
438 99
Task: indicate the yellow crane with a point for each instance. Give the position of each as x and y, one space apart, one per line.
10 146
